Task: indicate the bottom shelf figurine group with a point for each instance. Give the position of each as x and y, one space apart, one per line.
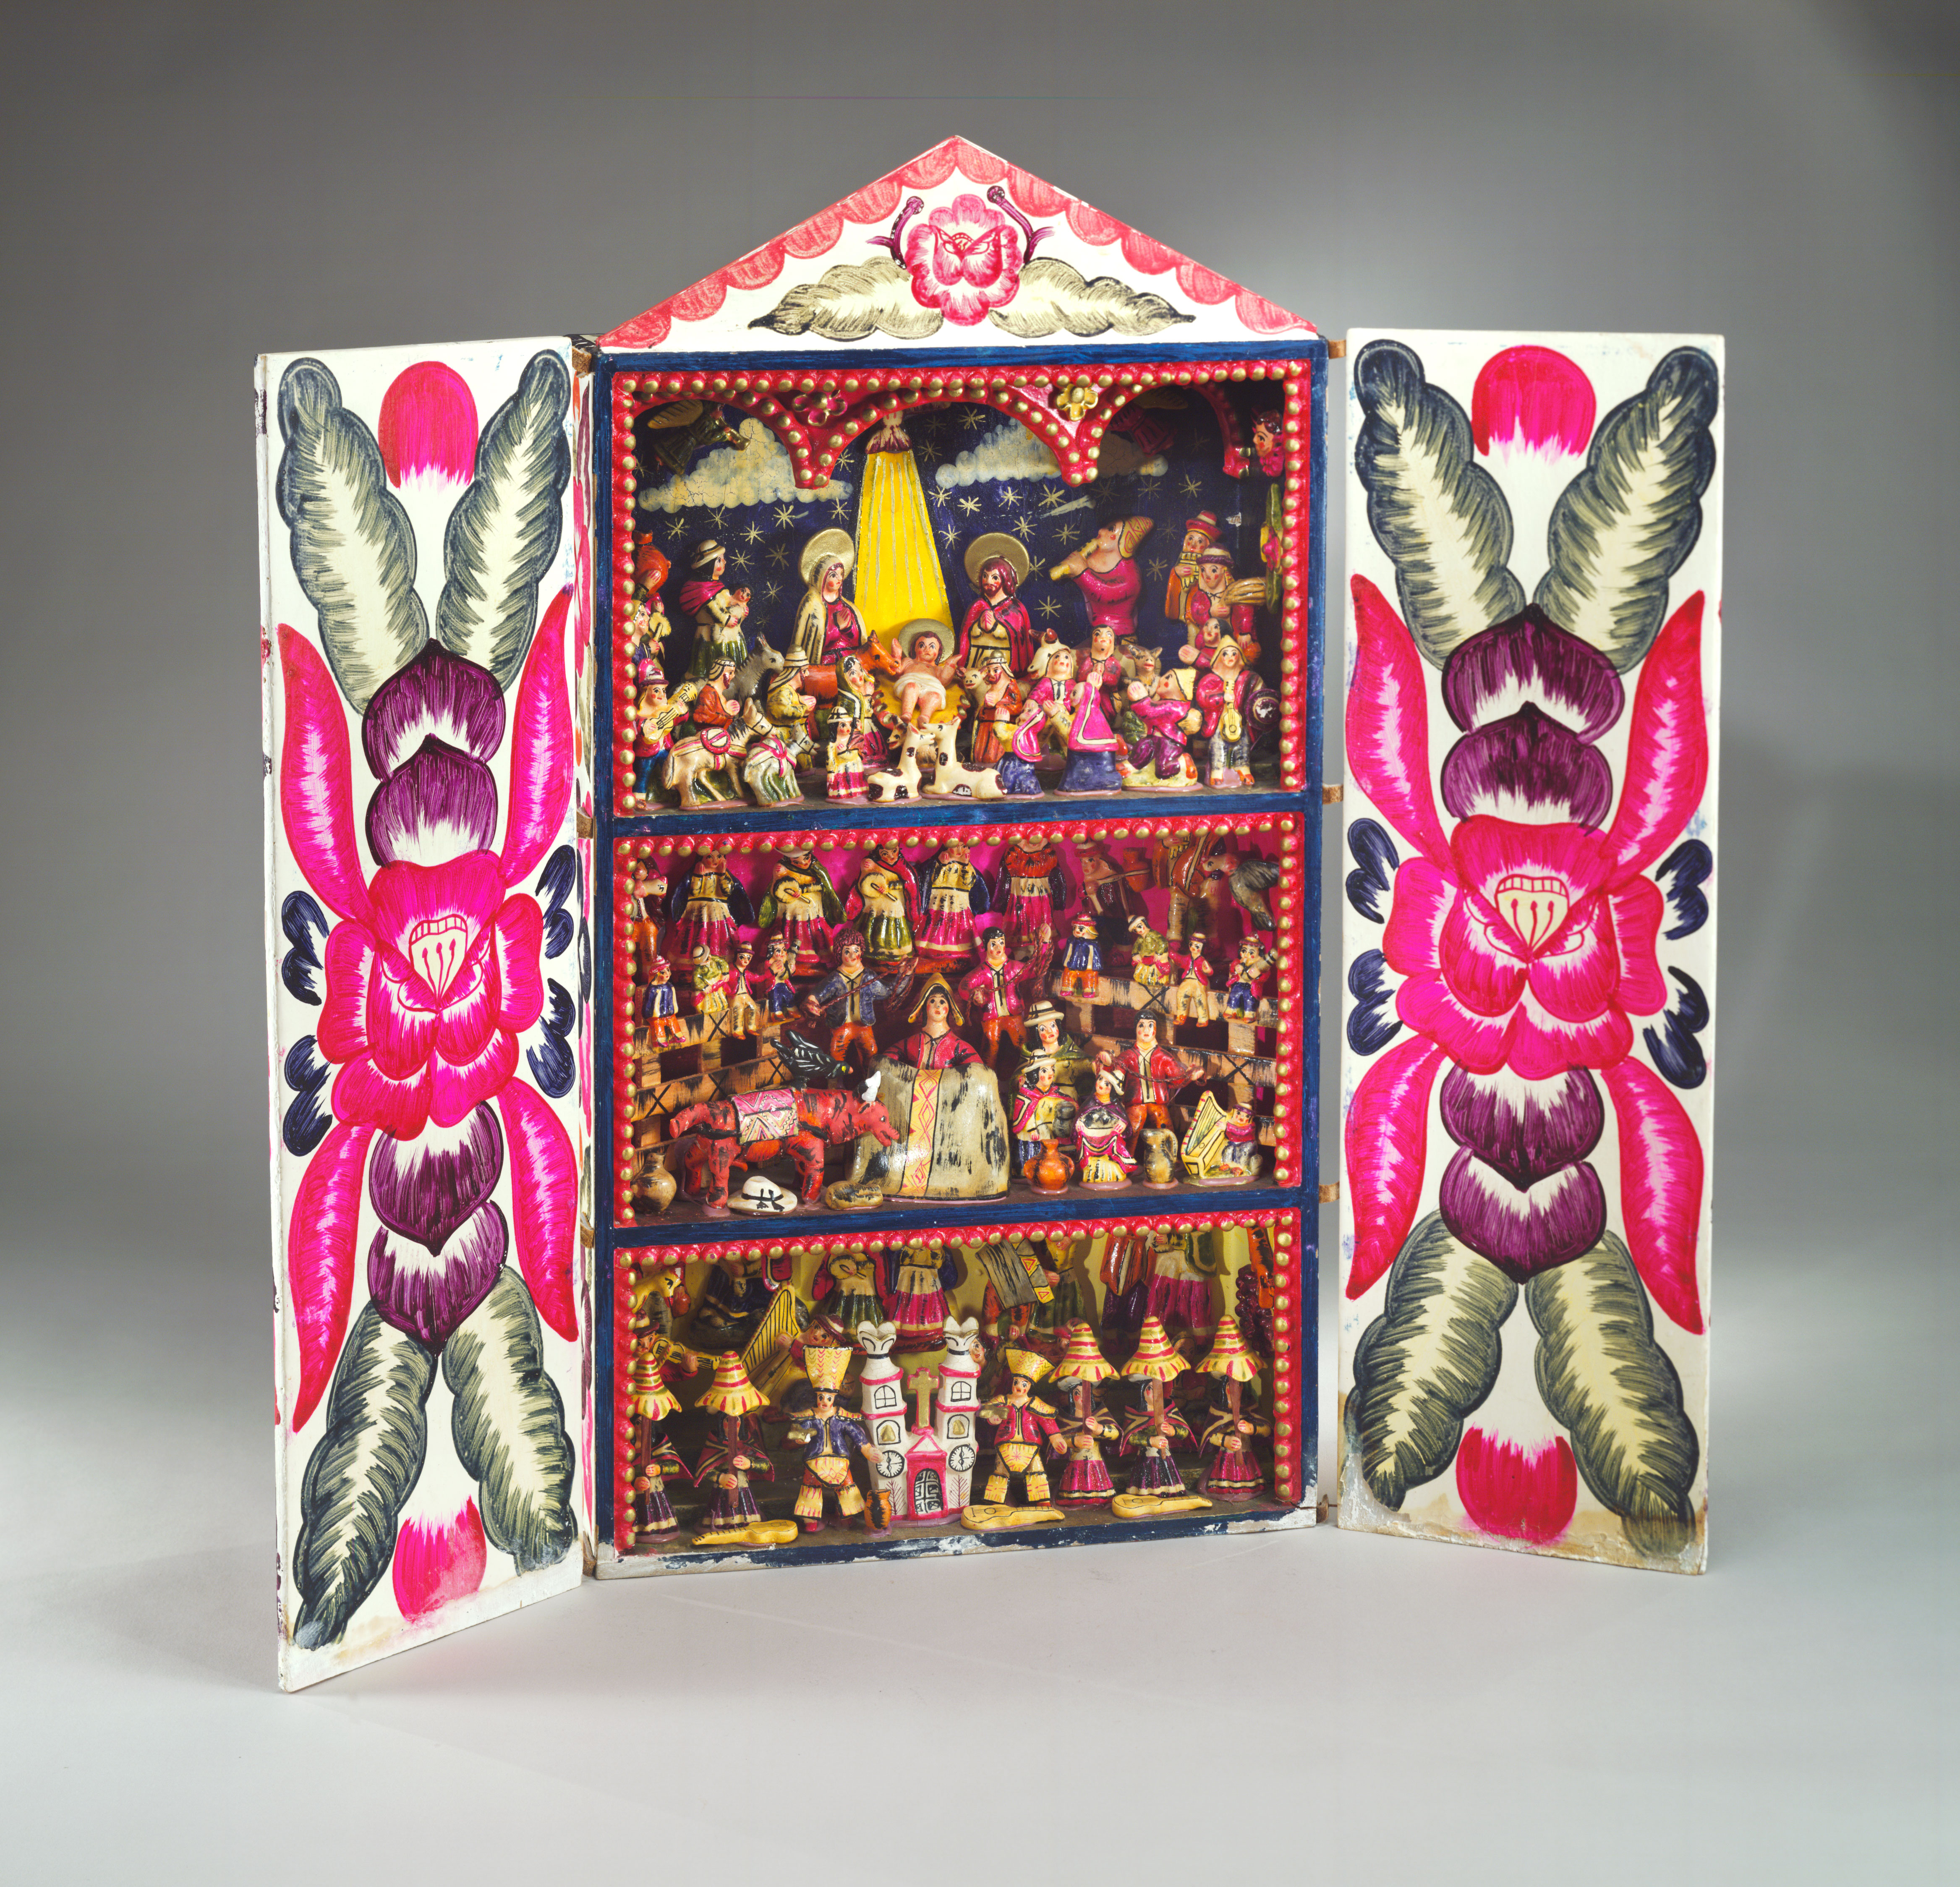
871 1467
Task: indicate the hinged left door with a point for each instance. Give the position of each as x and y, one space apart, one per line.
425 640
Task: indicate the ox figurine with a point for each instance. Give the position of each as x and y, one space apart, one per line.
713 1137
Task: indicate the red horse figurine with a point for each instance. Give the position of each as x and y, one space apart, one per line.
744 1129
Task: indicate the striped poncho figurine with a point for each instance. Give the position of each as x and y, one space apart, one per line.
1082 1366
1231 1469
1155 1425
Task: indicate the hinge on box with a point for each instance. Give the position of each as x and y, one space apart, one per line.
1337 350
1329 794
584 352
1329 1194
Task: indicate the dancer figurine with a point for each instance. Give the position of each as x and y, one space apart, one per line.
1022 1428
734 1450
828 1440
1080 1368
1155 1425
1232 1471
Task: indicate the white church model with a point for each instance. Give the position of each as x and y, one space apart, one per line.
926 1468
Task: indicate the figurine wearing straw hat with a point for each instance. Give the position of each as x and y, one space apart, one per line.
652 1402
828 626
1155 1425
1022 1428
1080 1368
997 623
734 1450
828 1440
1231 1471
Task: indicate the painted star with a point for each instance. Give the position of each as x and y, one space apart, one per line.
949 532
1191 488
840 509
751 532
1007 495
779 555
1158 567
940 494
969 506
785 516
974 418
769 592
1024 524
1050 607
720 514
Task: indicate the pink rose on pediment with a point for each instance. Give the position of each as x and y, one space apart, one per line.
964 258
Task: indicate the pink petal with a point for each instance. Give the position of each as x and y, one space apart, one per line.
1487 851
540 748
544 1191
408 895
351 969
1667 746
428 423
1387 723
320 1257
517 937
435 1564
316 780
1411 938
401 1024
1637 908
1387 1138
1535 397
1479 1043
455 1087
1480 959
1660 1188
1542 1044
364 1094
470 1010
1518 1493
1576 977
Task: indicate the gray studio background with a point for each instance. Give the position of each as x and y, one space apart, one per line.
187 185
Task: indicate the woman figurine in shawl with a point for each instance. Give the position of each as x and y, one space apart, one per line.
916 1283
855 741
994 698
801 904
997 622
706 902
1155 1425
646 625
717 612
932 1043
953 894
1037 728
1082 1366
1032 886
1104 570
1101 1144
828 626
884 901
734 1450
1073 710
1232 1470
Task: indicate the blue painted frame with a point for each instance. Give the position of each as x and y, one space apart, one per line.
1303 1197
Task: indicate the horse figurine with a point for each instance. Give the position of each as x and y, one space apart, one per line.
770 768
713 1137
690 762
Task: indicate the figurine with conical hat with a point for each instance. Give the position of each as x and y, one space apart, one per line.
1231 1470
1155 1425
828 1439
935 1012
1081 1365
653 1402
734 1450
1023 1428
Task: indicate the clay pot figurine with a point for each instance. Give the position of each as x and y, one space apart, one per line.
1156 1148
1052 1170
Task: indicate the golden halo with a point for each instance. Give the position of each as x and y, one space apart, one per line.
998 544
827 547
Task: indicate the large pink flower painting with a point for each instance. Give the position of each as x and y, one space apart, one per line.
424 1099
1512 894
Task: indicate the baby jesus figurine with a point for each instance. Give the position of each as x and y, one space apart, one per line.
920 672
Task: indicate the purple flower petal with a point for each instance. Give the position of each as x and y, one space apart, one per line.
1529 768
425 1188
1522 1230
436 693
438 806
1527 1130
428 1293
1530 658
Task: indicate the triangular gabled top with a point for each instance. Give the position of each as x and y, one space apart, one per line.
958 246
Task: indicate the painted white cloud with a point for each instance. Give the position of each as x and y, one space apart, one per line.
1009 451
760 474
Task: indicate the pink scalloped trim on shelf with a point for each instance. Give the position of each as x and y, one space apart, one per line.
875 203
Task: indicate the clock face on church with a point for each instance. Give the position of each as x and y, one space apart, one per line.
892 1465
959 1457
